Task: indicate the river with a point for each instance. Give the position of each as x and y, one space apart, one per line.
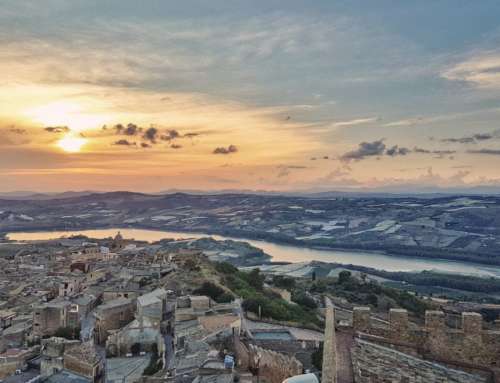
285 253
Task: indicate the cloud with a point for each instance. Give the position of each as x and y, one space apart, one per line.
129 130
17 131
319 158
480 69
397 151
151 134
365 149
285 170
357 121
145 145
124 142
439 153
170 135
57 129
176 146
492 152
223 150
472 139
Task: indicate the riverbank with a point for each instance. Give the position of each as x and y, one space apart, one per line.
287 253
390 251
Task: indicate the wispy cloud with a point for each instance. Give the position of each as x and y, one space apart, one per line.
481 69
354 122
491 152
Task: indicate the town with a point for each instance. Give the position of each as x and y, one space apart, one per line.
78 309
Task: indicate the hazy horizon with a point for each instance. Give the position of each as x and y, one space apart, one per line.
268 95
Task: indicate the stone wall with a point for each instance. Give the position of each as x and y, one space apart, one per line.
329 373
470 346
376 364
272 366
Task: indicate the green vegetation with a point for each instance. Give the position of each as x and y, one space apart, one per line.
430 278
215 292
317 357
369 293
155 363
304 300
250 286
284 282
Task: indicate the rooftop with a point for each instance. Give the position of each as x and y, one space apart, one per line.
65 376
86 352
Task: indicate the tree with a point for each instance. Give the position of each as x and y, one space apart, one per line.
284 282
344 276
256 279
214 292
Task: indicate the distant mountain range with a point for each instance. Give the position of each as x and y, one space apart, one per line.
386 192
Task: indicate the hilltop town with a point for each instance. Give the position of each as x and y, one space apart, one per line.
81 310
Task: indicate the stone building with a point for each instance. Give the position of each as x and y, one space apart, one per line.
153 306
15 359
49 317
145 330
6 318
468 349
52 354
70 286
113 315
84 360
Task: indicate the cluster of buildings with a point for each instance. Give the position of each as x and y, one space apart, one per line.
77 311
125 311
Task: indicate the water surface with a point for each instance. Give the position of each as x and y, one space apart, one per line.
287 253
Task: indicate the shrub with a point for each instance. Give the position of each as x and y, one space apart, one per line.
303 299
225 268
284 282
215 292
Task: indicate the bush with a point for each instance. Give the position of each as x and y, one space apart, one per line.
303 299
344 276
215 292
284 282
225 268
255 279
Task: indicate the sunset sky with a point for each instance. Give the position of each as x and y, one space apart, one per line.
270 95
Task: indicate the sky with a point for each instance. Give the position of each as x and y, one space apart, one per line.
291 95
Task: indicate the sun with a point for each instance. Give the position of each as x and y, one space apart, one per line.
71 144
65 113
